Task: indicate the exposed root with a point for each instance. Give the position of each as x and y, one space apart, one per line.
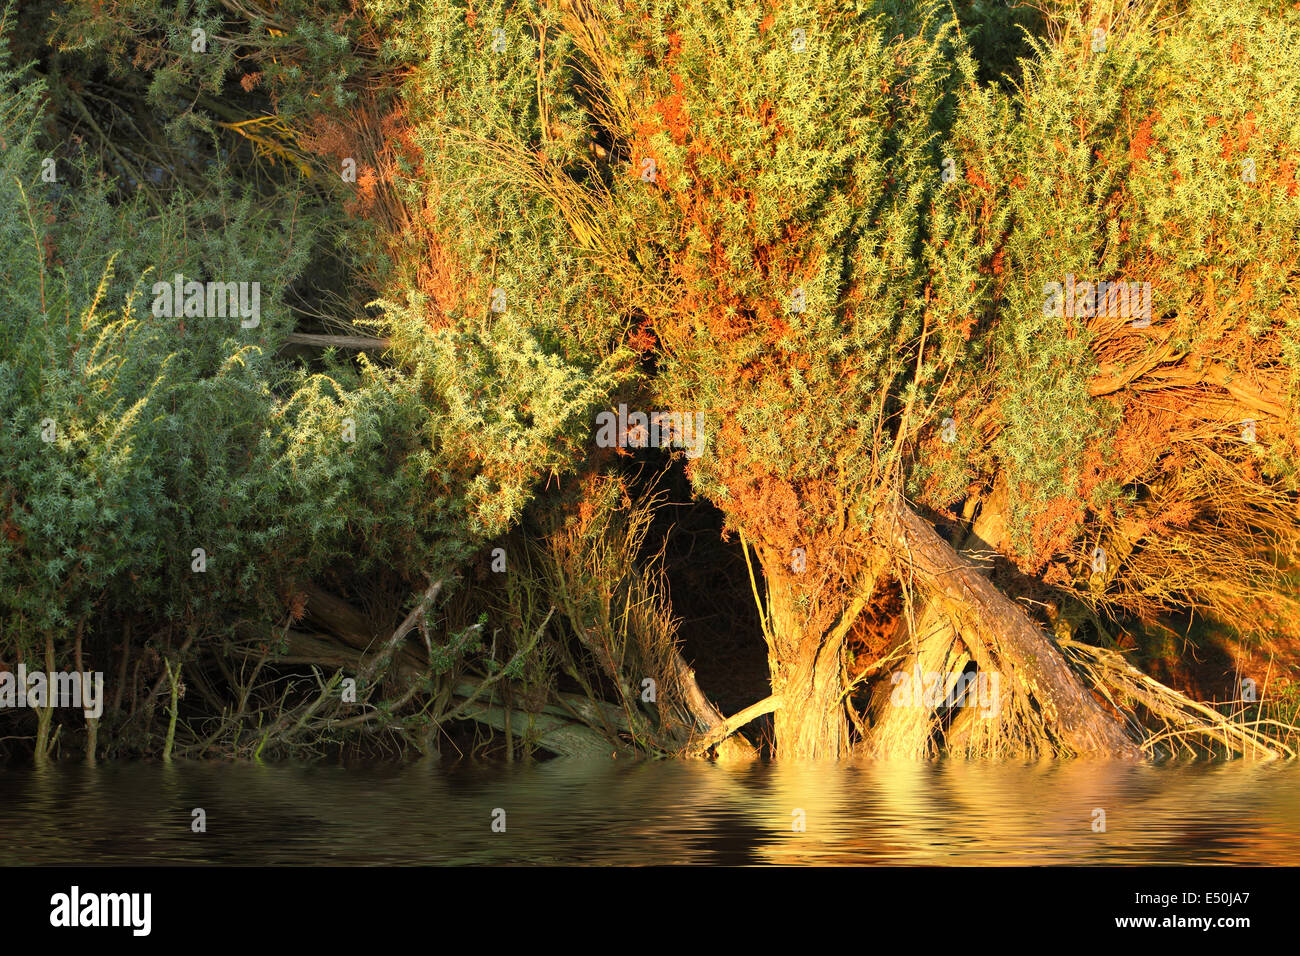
1186 725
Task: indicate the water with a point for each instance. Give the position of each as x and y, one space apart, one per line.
653 813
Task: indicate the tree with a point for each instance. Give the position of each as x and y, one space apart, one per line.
840 246
968 337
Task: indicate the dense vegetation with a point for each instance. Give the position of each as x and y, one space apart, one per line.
864 255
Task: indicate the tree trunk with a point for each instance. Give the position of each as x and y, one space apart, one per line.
908 730
807 667
45 715
1004 640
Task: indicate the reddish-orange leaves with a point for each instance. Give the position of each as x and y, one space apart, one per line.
1142 139
671 114
674 48
1245 131
1286 176
643 338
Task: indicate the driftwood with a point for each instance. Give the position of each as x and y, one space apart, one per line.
731 745
722 731
564 738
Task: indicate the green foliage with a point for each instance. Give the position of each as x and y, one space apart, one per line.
797 150
518 337
844 236
1127 163
171 434
309 53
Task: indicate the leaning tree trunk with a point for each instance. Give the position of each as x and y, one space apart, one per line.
1003 640
909 731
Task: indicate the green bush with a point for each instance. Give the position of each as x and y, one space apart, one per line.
128 440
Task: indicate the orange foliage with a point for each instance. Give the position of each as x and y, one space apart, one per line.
1132 453
1142 139
377 143
643 338
1285 176
670 109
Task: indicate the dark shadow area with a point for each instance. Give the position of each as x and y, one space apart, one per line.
709 588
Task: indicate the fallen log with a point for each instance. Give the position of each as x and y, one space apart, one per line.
720 733
347 636
561 737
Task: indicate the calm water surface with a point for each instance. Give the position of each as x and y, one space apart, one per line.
653 813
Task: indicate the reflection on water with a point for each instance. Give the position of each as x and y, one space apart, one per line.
654 813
